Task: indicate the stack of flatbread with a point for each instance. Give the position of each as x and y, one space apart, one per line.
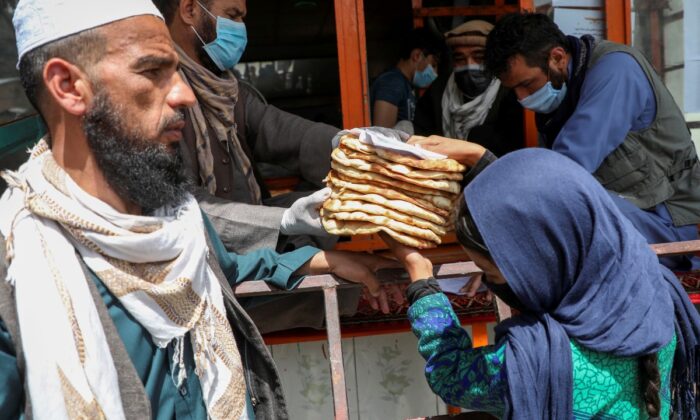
376 189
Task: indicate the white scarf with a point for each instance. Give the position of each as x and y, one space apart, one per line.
458 118
157 268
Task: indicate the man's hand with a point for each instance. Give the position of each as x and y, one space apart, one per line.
356 267
303 217
390 132
471 288
462 151
417 266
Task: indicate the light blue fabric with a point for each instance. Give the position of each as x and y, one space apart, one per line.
231 39
616 98
545 100
582 271
423 78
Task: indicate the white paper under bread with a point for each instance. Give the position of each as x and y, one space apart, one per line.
378 139
455 285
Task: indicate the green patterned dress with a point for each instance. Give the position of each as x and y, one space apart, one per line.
604 386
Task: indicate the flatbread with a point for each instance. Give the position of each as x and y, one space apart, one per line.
402 169
386 181
338 206
447 165
358 216
438 204
434 184
398 205
342 227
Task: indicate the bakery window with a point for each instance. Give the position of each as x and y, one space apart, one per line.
292 57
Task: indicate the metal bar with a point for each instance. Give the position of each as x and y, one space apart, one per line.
529 124
463 11
318 282
531 133
656 39
310 283
352 62
417 21
618 21
527 5
480 335
674 68
677 248
340 398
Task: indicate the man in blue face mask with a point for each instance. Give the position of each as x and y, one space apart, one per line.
603 105
229 131
469 104
392 96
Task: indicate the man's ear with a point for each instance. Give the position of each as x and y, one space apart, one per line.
68 86
558 57
416 55
189 12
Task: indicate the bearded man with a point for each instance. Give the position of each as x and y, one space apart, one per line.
115 291
227 133
230 131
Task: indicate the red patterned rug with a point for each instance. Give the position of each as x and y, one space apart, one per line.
465 306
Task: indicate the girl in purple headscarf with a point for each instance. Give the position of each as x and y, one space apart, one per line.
604 330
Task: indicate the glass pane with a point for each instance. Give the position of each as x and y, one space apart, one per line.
663 30
656 27
292 57
13 102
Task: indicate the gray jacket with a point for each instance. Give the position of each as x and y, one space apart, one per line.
270 135
261 374
658 164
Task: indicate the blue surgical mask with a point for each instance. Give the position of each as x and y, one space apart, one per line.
231 39
423 78
545 100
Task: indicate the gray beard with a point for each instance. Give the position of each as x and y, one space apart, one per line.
141 171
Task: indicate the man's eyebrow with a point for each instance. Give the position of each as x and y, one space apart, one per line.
523 82
154 61
235 11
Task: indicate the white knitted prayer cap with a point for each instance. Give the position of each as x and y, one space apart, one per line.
39 22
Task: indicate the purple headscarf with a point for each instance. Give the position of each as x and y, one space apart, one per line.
585 274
